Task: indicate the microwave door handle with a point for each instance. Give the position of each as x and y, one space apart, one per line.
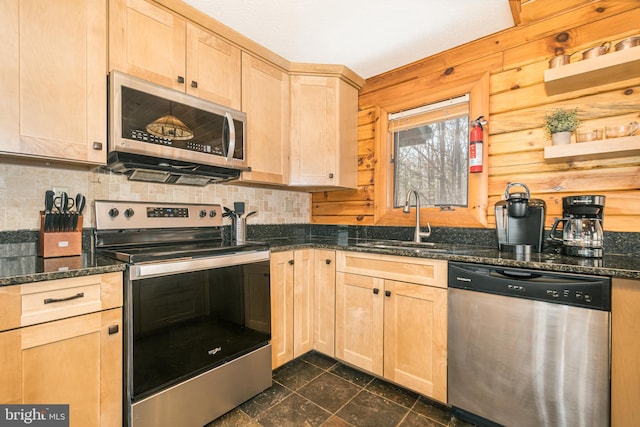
232 136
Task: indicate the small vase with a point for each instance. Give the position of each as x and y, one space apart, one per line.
561 138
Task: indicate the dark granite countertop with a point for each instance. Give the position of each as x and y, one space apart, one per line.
613 265
19 263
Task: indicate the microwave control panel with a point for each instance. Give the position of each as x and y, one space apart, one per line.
140 135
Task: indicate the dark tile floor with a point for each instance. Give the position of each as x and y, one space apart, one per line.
315 390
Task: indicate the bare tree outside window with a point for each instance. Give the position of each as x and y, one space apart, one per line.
431 156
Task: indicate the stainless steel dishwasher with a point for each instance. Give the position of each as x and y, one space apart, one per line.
527 347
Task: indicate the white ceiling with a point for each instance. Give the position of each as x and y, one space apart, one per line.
368 36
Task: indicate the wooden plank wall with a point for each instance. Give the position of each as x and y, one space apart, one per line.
516 59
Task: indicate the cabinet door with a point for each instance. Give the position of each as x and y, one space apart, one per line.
303 301
625 347
75 361
325 301
313 132
359 321
147 41
324 145
54 79
213 68
415 337
281 308
265 99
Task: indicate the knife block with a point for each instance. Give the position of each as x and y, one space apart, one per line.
59 243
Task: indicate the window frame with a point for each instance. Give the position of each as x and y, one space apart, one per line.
475 214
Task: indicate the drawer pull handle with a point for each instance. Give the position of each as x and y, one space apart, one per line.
51 300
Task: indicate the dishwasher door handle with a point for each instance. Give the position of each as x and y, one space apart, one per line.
518 274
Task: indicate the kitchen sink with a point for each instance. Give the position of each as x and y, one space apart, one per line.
399 244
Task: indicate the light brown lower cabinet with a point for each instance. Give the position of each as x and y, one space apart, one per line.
391 319
625 353
324 320
291 304
74 357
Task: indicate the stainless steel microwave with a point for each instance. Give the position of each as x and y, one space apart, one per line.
162 135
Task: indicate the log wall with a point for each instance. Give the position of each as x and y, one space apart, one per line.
516 59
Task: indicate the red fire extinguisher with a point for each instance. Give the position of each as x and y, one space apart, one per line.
475 145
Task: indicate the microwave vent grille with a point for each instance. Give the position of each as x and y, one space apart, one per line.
192 180
149 176
150 169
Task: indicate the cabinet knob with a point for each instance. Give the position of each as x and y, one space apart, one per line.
376 291
327 261
97 145
290 262
194 84
180 79
387 293
113 329
331 175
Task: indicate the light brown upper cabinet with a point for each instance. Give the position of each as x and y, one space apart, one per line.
324 120
265 99
53 84
157 45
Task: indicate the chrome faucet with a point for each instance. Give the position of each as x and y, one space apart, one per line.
417 237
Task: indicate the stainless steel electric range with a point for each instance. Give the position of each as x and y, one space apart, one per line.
196 307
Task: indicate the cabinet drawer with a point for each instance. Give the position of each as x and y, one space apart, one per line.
40 302
56 304
407 269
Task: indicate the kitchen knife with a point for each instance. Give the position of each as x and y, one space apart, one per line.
48 206
64 207
80 202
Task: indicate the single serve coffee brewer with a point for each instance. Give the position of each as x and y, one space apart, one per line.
582 231
520 221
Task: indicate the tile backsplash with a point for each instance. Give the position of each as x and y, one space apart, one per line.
22 191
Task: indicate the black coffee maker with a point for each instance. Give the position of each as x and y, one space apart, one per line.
520 221
582 231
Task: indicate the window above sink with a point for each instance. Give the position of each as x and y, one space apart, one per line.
474 212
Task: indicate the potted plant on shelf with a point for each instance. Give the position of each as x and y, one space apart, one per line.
560 124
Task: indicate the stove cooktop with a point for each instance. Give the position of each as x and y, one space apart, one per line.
159 253
142 232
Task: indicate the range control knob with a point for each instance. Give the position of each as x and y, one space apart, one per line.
202 213
113 212
213 213
128 213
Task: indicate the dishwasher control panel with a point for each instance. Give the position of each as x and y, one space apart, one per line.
569 289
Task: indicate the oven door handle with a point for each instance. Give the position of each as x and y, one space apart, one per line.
185 265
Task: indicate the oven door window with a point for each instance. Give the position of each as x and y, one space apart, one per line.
188 323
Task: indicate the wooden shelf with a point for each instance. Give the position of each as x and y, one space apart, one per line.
608 68
603 149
